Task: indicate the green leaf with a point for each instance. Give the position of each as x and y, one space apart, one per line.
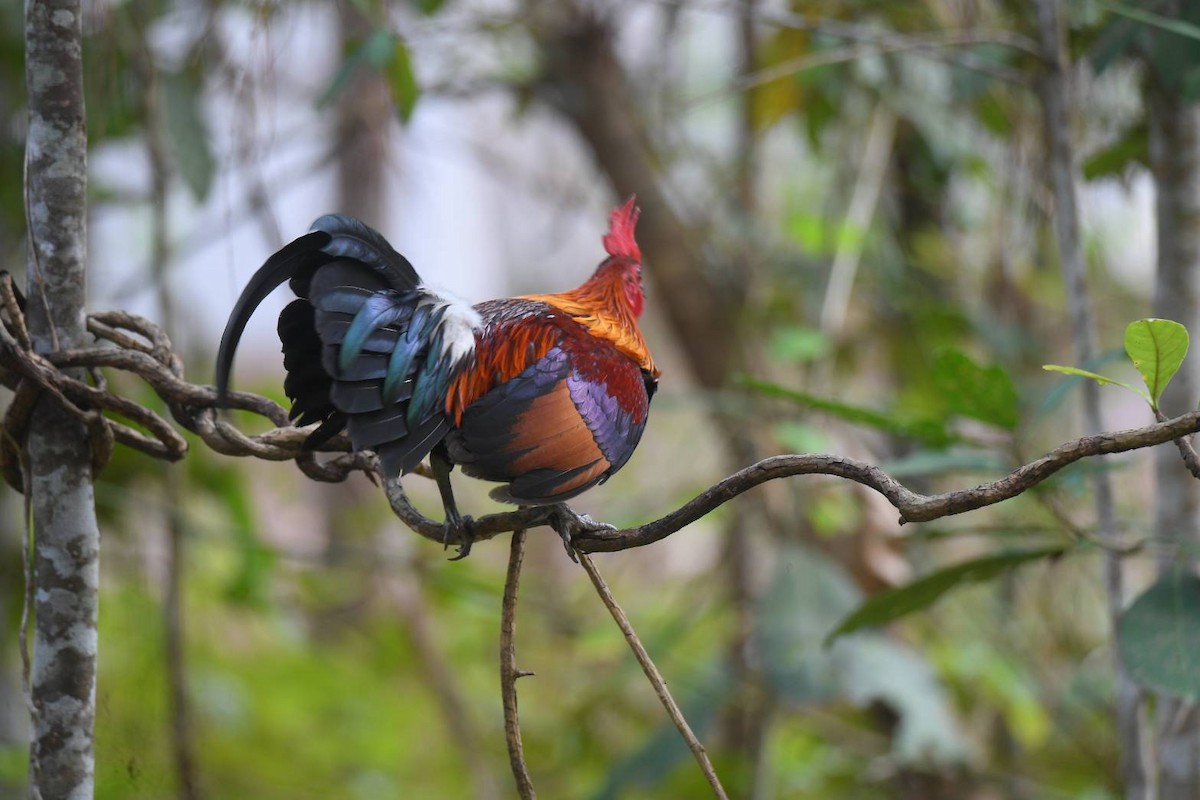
402 81
991 110
1158 637
385 53
929 431
428 7
972 390
1058 393
1097 377
1132 148
799 344
895 603
187 133
1157 348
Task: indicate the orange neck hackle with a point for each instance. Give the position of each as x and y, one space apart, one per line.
609 303
602 306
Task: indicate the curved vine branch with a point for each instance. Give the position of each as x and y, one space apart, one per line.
588 537
135 345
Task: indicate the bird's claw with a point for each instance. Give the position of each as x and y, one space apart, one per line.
460 529
570 523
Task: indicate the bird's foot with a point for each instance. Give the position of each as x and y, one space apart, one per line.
459 529
569 524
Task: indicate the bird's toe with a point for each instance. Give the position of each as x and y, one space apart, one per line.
459 530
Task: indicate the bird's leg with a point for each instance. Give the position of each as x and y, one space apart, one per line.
456 525
568 522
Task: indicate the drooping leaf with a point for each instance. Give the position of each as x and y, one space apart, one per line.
923 592
1159 636
1095 376
1157 348
972 390
187 132
1059 392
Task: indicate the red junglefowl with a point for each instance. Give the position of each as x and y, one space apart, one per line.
547 393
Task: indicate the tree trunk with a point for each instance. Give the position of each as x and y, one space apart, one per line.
1175 161
1061 174
67 539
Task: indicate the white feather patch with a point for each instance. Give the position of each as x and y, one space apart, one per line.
458 325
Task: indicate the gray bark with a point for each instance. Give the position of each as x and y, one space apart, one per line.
67 539
1061 164
1175 161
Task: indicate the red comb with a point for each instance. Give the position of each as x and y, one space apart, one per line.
619 240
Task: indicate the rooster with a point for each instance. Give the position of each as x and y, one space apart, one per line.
547 394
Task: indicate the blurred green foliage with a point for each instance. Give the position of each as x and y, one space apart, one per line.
313 672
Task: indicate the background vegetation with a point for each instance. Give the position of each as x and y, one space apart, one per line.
849 232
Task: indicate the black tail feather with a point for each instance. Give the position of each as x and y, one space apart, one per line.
300 256
361 342
352 239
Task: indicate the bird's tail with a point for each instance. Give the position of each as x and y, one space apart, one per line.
366 346
331 237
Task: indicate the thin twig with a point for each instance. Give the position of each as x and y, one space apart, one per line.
508 667
656 678
1186 449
